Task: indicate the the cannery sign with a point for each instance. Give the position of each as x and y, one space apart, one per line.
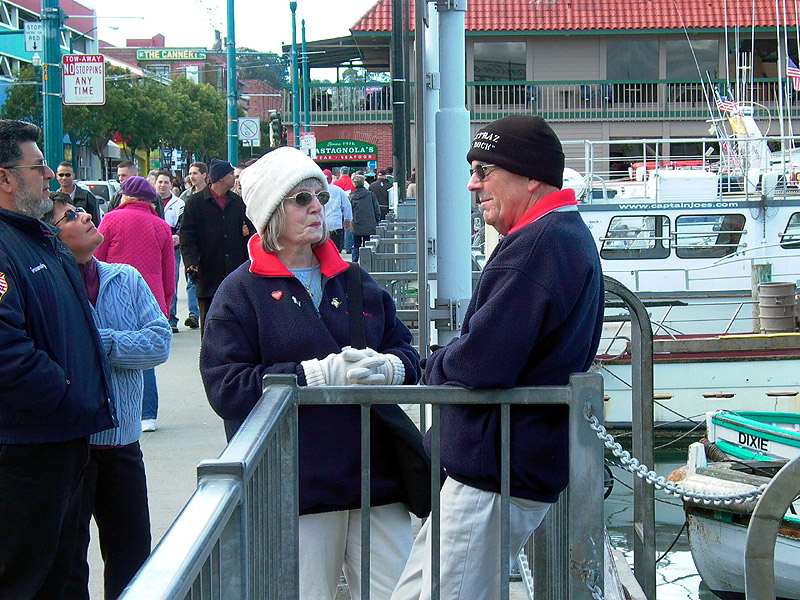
346 150
171 54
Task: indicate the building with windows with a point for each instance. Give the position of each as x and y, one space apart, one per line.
596 69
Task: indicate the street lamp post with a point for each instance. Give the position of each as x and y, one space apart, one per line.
295 89
233 119
52 117
36 61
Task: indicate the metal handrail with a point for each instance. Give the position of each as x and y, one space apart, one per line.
644 513
238 535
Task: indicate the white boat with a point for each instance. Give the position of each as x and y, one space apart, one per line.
690 235
755 435
717 534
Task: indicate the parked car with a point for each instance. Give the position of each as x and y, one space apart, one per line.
104 190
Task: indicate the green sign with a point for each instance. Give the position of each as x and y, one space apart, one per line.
171 54
346 150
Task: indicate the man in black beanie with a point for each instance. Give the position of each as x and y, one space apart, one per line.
214 234
535 317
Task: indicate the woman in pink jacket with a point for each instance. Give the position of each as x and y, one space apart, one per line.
133 234
136 236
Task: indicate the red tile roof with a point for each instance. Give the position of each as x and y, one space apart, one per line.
589 15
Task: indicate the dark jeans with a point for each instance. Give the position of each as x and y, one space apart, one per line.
358 241
39 513
337 235
203 304
115 492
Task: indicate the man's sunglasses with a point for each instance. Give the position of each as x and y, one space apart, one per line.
70 215
482 170
305 198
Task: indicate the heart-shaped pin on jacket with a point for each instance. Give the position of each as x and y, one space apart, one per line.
277 294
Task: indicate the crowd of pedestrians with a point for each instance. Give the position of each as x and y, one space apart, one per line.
88 310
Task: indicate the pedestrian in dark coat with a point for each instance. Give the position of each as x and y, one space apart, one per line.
287 311
366 214
214 234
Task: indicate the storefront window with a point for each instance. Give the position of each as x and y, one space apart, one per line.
499 61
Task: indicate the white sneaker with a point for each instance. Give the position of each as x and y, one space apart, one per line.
149 425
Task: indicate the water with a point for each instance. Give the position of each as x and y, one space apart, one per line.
676 576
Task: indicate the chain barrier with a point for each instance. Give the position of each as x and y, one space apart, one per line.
597 593
643 471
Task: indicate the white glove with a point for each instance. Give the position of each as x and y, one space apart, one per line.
368 367
331 370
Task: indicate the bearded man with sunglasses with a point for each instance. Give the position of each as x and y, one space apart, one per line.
535 318
214 234
54 378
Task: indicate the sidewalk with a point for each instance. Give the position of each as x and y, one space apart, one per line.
188 432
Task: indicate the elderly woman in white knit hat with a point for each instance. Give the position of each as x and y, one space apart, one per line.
287 310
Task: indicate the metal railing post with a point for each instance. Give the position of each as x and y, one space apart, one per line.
644 514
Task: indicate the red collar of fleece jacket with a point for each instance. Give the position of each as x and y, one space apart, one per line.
267 264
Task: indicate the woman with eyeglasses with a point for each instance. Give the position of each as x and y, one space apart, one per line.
136 336
287 311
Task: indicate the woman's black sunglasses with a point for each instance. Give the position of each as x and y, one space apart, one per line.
70 215
304 198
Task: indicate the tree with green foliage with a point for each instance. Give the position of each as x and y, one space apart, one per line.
147 113
265 66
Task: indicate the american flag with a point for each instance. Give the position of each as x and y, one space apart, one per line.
725 105
793 73
3 285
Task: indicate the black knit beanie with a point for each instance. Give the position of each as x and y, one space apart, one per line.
522 144
218 169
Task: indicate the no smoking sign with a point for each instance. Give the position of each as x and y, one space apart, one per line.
250 130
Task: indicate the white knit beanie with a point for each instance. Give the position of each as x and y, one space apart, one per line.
267 181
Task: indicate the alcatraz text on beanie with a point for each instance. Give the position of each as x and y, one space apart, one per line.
522 144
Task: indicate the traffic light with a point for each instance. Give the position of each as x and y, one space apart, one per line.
277 132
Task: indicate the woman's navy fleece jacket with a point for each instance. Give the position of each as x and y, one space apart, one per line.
263 321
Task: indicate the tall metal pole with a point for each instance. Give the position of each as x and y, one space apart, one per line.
306 84
52 117
399 106
295 88
452 197
233 92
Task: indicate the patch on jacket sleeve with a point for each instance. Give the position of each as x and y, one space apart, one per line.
3 285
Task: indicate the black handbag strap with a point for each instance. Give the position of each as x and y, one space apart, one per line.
358 330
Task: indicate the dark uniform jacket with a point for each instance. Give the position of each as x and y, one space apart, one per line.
212 239
54 379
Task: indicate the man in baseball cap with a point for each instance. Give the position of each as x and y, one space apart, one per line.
535 318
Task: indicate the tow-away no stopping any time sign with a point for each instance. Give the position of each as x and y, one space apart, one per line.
84 78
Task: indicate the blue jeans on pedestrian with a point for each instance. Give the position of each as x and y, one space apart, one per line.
150 398
173 309
348 241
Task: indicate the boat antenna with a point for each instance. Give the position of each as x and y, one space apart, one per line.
694 57
780 67
727 61
752 52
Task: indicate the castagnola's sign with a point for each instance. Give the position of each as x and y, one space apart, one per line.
345 150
